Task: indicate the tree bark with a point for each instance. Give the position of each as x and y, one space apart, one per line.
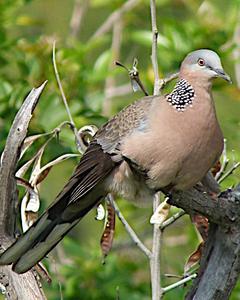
220 262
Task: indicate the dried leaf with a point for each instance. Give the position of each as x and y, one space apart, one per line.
135 86
22 171
30 140
108 233
41 173
161 213
33 203
36 158
24 183
24 221
36 167
201 224
42 272
193 259
216 168
86 133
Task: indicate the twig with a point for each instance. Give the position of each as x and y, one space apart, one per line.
80 7
165 81
114 17
229 172
79 143
224 162
172 276
178 283
154 48
134 77
129 229
173 219
155 259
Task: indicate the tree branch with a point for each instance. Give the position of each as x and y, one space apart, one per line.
154 48
114 17
173 219
155 260
178 283
80 7
9 161
220 262
15 286
129 229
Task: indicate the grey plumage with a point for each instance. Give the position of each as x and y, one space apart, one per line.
148 146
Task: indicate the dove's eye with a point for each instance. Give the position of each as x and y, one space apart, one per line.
201 62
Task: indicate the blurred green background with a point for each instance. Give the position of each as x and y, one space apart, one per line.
96 89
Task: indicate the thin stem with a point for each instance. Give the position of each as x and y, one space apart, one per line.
155 259
173 219
166 80
178 283
114 17
224 162
229 172
79 142
156 246
154 48
129 229
79 10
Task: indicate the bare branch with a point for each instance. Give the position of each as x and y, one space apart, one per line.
80 8
9 160
15 286
114 17
178 283
129 229
222 248
173 219
229 172
154 48
78 140
165 81
224 162
155 259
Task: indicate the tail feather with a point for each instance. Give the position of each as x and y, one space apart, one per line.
41 238
84 190
42 247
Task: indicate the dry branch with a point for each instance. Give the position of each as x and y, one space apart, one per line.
114 17
129 229
79 10
80 145
220 263
16 286
155 260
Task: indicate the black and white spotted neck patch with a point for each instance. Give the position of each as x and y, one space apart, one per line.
181 96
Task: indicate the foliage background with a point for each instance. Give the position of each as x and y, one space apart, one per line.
27 30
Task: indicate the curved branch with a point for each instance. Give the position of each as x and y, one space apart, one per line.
220 262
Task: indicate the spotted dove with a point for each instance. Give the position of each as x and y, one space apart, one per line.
159 143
